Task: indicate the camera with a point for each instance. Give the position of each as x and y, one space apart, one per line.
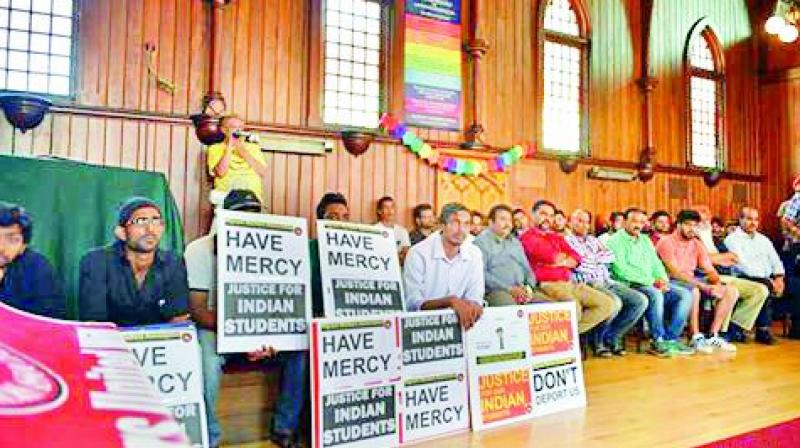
248 137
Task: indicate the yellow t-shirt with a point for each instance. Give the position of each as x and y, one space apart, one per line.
240 175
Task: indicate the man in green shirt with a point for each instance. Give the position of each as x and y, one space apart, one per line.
636 264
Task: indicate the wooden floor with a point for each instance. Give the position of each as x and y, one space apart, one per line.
643 401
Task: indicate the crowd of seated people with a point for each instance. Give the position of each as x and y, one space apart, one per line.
655 269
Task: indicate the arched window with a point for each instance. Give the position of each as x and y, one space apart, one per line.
705 79
565 60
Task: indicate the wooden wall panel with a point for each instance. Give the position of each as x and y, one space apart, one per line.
780 142
573 191
672 22
265 76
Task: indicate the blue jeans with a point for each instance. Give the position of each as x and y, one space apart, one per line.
292 396
632 305
678 301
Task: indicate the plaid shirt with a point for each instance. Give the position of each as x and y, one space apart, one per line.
792 211
595 259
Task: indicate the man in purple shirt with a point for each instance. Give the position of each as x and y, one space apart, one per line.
609 336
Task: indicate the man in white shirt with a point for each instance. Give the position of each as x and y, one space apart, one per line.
752 295
757 261
444 271
387 218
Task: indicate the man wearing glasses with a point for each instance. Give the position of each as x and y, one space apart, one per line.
132 282
27 281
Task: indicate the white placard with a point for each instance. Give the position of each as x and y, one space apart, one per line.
264 282
355 377
555 358
360 269
434 396
524 362
170 356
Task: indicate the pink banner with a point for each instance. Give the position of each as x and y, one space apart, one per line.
77 385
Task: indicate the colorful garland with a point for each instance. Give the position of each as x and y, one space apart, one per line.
454 165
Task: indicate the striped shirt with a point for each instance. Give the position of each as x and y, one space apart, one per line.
595 259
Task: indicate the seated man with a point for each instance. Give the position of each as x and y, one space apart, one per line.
636 264
424 223
201 262
560 223
387 218
333 207
682 254
757 260
752 295
521 222
609 337
616 220
477 223
509 278
445 272
552 261
27 281
236 163
132 282
660 225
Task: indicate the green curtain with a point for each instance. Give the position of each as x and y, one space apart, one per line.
74 208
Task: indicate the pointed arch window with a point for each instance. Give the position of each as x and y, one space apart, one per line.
705 79
564 62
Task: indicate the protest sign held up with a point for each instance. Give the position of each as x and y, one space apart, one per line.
360 269
264 281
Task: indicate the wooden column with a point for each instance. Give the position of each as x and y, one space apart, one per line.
647 84
475 48
213 98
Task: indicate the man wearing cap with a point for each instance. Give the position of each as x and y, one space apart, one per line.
201 262
132 282
27 281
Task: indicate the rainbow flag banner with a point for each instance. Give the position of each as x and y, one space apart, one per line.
433 64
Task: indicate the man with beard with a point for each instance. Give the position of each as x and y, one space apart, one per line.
424 223
509 278
636 264
445 272
132 282
27 281
661 225
553 260
521 222
752 295
683 253
609 337
560 223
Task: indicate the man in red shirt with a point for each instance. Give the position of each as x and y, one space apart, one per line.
552 260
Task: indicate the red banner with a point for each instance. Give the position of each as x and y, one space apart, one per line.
75 384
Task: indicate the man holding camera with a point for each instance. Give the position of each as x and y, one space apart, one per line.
237 162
